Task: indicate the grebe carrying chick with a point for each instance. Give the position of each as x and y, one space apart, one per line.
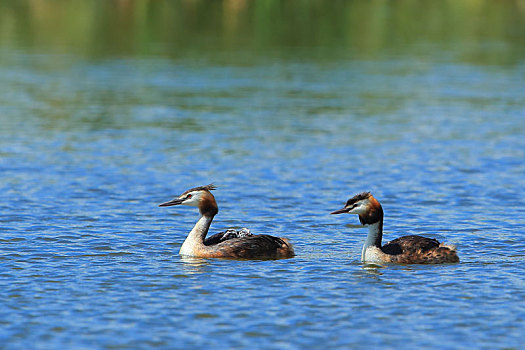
235 244
403 250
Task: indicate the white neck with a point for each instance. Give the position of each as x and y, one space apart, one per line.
195 239
375 235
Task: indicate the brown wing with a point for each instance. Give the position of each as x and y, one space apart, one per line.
215 239
419 250
255 247
228 234
410 244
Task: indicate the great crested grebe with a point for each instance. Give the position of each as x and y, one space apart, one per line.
229 244
403 250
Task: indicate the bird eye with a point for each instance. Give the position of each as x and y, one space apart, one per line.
188 196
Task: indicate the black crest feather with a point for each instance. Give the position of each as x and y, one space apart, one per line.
209 187
357 198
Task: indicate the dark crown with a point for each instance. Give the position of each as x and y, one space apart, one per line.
358 197
208 188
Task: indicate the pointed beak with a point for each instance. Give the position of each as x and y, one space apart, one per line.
340 211
175 201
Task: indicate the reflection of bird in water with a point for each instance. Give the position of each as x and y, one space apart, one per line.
404 250
240 244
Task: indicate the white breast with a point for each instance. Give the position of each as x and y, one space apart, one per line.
371 255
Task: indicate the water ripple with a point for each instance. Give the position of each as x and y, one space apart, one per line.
89 260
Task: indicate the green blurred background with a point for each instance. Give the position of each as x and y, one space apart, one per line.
477 31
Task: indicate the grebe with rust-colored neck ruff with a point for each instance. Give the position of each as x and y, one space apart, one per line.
229 244
403 250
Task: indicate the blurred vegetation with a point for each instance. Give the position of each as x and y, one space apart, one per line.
488 31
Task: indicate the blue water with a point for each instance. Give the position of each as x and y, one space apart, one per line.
89 148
